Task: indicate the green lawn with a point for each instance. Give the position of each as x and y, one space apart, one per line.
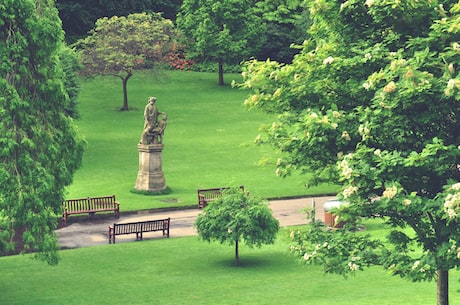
189 271
208 141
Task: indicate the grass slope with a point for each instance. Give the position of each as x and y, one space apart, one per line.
208 141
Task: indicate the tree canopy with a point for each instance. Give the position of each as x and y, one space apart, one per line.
119 45
224 31
286 23
371 103
40 146
79 16
237 217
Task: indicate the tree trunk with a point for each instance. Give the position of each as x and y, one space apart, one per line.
237 257
125 92
221 73
443 287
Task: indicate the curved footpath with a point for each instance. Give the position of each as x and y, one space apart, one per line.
82 232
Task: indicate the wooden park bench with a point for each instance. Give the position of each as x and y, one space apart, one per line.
90 205
139 228
207 195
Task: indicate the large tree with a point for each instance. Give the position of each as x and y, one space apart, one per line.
372 103
286 23
224 31
237 217
119 45
40 146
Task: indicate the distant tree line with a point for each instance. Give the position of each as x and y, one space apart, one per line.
79 16
285 21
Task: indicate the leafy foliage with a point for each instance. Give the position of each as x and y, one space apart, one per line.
40 146
237 217
118 45
79 16
371 102
226 31
286 24
71 66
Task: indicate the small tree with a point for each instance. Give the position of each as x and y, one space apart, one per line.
119 45
235 217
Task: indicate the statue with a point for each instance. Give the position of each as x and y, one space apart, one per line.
153 130
150 176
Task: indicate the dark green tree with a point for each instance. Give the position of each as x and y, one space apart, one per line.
372 104
224 31
237 217
40 147
79 16
71 65
286 23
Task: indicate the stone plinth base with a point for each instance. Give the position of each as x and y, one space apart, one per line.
150 176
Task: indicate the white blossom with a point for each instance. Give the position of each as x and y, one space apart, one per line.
390 192
349 191
369 3
353 266
329 60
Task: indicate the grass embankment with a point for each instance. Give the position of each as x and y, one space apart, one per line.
208 141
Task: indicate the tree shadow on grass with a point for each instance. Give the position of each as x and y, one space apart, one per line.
247 262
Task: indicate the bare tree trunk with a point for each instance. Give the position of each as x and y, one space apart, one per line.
443 287
237 257
221 73
125 92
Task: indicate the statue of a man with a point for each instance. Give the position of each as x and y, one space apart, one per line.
150 122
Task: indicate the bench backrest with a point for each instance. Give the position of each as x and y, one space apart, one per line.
127 228
141 226
106 202
210 194
80 204
89 203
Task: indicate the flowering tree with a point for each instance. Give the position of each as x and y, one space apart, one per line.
372 103
237 217
118 45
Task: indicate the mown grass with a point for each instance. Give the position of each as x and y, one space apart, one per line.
207 144
185 270
208 141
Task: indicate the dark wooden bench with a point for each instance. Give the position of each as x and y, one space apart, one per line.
207 195
139 228
90 205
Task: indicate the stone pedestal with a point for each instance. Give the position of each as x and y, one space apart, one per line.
150 176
